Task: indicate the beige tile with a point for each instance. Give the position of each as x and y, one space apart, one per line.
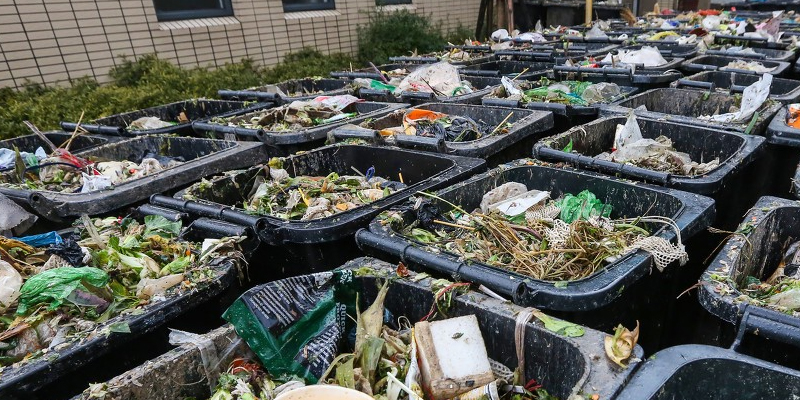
75 57
34 17
52 69
24 9
15 46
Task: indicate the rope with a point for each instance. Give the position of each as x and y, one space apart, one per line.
521 322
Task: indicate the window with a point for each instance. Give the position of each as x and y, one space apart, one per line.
391 2
307 5
170 10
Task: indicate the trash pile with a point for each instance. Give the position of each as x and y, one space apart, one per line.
654 154
751 65
297 115
57 290
527 232
780 292
360 351
441 79
62 171
426 123
565 92
274 192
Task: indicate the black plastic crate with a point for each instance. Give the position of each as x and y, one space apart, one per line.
685 105
765 234
564 366
29 143
297 247
674 59
526 127
623 292
709 373
760 54
202 157
720 63
193 110
286 143
509 68
783 90
754 42
295 89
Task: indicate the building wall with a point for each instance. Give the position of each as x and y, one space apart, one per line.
53 41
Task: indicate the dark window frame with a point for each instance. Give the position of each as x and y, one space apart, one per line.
288 7
392 2
225 11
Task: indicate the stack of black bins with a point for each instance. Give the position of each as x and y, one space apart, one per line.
685 106
720 63
527 127
310 87
565 367
202 157
624 292
192 110
556 52
286 143
782 90
297 247
767 231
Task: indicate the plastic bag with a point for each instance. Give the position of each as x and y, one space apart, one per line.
41 240
752 98
511 89
583 206
14 218
147 288
627 134
647 56
500 34
439 78
56 285
93 183
595 32
10 284
70 251
600 92
295 325
337 103
208 352
146 123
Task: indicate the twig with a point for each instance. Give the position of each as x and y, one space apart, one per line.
75 133
37 132
358 172
520 74
380 74
503 122
469 228
436 92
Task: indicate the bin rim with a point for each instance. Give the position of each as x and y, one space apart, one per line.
780 133
599 289
789 97
695 65
347 88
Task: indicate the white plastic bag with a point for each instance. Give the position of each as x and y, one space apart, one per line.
752 98
10 285
511 89
437 78
92 183
627 134
500 34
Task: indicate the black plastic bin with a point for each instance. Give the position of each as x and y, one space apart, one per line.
729 184
563 366
765 234
286 143
784 149
202 157
697 372
29 143
54 374
720 63
761 54
481 85
624 292
509 68
749 41
477 54
193 110
555 52
783 90
527 126
565 13
671 48
295 89
685 105
297 247
673 59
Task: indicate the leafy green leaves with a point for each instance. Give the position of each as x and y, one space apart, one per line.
560 327
158 225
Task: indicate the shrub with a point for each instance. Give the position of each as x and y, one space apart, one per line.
397 33
307 62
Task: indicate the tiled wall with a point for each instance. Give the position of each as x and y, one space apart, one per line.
53 41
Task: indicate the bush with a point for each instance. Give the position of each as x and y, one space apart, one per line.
397 33
146 82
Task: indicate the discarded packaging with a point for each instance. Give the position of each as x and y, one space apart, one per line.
647 56
296 115
752 98
441 79
565 92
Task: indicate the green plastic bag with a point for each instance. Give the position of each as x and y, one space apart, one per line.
295 325
55 285
582 206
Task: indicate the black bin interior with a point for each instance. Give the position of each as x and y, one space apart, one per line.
725 80
689 103
135 149
193 109
509 68
361 108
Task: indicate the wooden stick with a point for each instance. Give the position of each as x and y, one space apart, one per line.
75 133
502 122
589 8
35 130
520 74
469 228
400 174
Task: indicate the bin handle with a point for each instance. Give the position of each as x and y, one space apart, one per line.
605 70
201 127
423 60
500 102
168 213
548 153
768 324
246 94
416 96
484 49
479 72
215 228
695 84
355 132
94 128
471 272
354 75
734 37
375 94
437 145
759 56
739 71
218 211
737 88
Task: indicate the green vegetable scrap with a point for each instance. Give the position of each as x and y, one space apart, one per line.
559 326
583 206
56 285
